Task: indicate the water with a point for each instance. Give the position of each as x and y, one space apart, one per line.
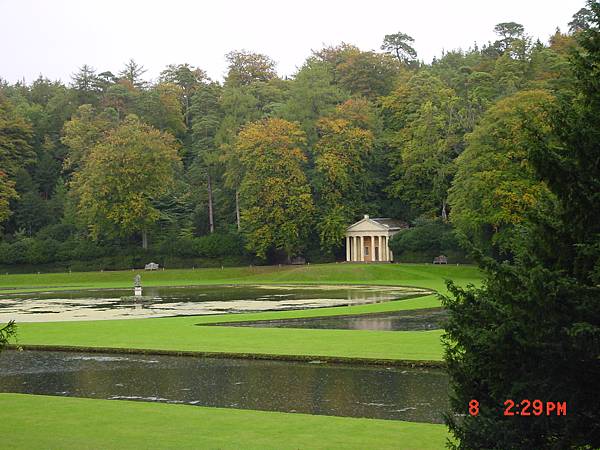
340 390
195 300
413 320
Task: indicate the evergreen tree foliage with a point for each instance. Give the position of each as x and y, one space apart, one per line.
533 330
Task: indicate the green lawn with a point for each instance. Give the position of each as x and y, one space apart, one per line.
28 421
57 422
422 275
183 334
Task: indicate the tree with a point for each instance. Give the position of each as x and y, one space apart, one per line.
188 78
122 176
160 106
7 193
85 83
277 206
83 132
206 120
247 67
399 44
133 73
495 187
313 94
424 127
368 74
6 332
580 21
340 164
15 139
533 330
509 32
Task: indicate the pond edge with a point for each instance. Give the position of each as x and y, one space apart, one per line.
255 356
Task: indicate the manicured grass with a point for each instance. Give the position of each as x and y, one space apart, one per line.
421 275
183 334
28 421
180 334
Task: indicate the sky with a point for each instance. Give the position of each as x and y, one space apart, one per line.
56 37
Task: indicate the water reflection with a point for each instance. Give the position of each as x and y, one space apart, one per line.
195 300
413 320
340 390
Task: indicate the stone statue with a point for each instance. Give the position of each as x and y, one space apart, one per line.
137 281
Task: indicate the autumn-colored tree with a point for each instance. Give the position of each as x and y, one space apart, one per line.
83 131
247 67
340 164
369 74
15 139
494 187
122 175
7 192
277 206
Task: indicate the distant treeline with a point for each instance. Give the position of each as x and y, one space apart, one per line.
263 168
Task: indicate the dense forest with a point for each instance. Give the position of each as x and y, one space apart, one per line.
112 170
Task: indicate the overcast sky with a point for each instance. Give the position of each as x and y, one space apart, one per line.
55 37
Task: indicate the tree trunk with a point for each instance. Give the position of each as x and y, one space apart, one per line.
211 222
444 213
237 208
187 111
144 239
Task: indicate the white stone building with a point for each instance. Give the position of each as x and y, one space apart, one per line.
368 239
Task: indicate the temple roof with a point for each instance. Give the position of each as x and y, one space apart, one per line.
383 223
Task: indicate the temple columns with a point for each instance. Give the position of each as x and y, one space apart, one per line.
348 238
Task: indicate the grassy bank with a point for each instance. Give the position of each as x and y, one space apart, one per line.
183 334
28 421
421 275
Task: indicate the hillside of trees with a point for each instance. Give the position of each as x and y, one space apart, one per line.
112 170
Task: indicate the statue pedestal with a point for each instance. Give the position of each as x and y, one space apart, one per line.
138 291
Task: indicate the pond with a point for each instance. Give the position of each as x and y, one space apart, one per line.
412 320
380 392
191 300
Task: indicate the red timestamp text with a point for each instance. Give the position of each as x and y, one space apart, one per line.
526 408
534 407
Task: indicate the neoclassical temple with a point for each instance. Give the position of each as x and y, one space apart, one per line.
367 240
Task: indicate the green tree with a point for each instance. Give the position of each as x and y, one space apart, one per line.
15 139
495 187
133 72
160 106
533 330
83 132
277 206
368 74
206 120
341 156
247 67
85 84
122 176
7 193
399 44
6 332
189 79
580 21
509 32
312 95
424 125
